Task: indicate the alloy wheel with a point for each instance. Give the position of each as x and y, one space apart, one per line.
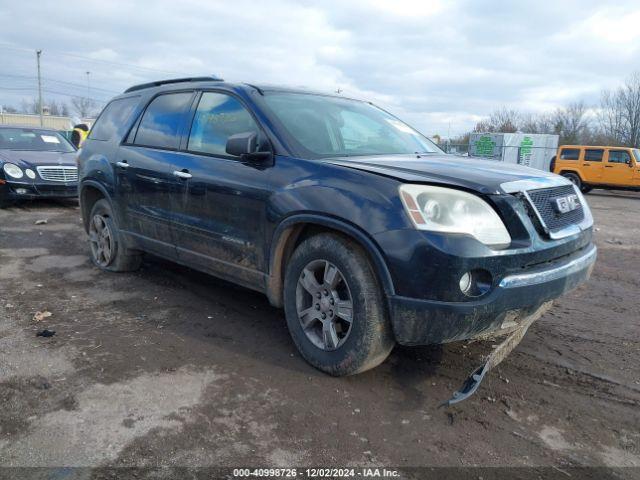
324 305
101 239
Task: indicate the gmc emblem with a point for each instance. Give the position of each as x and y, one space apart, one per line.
565 204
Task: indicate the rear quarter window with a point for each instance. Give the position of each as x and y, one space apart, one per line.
570 154
113 119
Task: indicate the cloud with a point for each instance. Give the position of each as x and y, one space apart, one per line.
441 65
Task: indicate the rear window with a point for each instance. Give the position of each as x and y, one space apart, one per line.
619 156
593 155
162 120
113 119
570 154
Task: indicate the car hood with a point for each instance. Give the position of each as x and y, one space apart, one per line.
484 176
30 158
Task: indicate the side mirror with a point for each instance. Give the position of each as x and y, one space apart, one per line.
245 145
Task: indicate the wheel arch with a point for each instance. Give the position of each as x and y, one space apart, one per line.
90 193
294 229
570 170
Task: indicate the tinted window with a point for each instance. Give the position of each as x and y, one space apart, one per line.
570 154
113 119
217 118
619 156
592 155
161 122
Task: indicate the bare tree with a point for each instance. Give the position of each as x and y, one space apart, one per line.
571 123
30 106
83 106
502 120
620 113
8 109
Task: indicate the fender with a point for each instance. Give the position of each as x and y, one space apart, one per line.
281 248
98 186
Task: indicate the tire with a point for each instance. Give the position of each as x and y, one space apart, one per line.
358 345
573 178
105 242
585 188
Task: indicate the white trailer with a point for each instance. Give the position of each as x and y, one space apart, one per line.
532 150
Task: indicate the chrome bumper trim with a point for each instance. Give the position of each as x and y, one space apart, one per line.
574 266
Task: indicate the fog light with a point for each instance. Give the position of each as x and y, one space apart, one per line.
475 283
21 191
465 282
30 173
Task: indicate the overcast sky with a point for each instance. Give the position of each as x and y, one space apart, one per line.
434 63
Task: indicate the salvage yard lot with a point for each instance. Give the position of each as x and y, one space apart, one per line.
167 366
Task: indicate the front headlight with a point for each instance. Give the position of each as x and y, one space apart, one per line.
12 170
439 209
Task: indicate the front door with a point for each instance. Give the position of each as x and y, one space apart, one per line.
592 165
149 181
220 226
636 168
618 168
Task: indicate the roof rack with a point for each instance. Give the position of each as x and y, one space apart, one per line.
157 83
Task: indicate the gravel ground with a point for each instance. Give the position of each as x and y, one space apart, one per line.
170 367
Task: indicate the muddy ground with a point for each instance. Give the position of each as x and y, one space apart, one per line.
170 367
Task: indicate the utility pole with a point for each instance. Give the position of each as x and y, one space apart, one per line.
38 52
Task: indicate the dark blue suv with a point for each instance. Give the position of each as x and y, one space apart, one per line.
359 226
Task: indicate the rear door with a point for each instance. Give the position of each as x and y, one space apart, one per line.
221 223
150 185
618 168
592 165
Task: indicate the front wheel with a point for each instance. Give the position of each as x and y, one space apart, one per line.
573 178
334 306
108 251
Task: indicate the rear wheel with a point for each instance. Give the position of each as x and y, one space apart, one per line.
108 251
334 306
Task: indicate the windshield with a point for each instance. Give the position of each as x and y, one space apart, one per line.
636 152
323 126
34 139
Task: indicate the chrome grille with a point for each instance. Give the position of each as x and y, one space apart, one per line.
58 173
542 202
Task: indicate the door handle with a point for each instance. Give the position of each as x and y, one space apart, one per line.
182 174
608 166
123 164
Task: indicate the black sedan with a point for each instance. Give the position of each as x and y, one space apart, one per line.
36 163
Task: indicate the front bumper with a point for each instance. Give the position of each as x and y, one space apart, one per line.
515 298
31 190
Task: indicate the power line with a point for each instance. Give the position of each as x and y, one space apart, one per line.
89 59
49 79
55 92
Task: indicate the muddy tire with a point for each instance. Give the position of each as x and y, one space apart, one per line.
573 178
335 308
105 241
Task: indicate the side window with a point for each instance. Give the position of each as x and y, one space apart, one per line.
161 121
113 119
217 117
570 154
619 156
593 155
